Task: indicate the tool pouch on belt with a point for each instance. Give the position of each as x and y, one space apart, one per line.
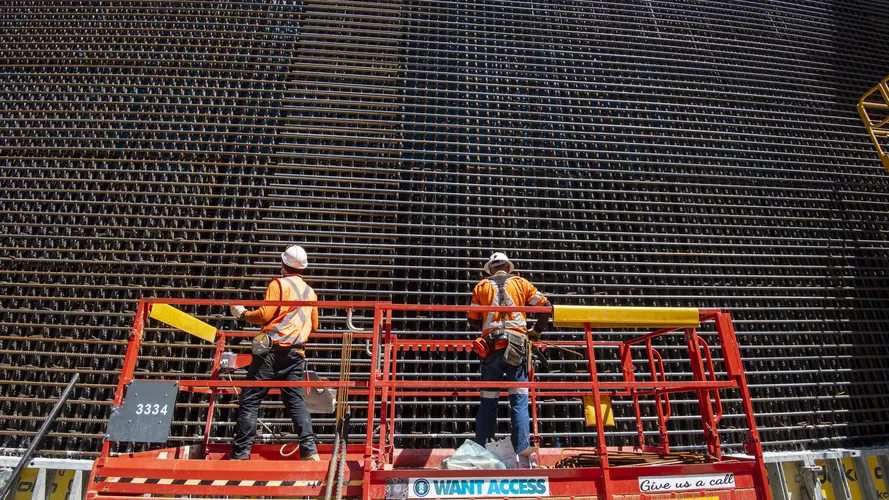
261 344
515 350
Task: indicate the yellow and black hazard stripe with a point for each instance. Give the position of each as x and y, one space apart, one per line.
212 482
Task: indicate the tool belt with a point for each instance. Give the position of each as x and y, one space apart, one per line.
513 343
262 344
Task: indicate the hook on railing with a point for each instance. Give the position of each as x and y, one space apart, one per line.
368 346
355 329
349 324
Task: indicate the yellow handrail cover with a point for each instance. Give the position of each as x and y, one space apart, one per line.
185 322
625 317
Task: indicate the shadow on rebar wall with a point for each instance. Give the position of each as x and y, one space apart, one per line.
859 59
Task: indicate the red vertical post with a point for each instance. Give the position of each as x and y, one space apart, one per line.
392 394
384 382
629 372
134 343
371 401
214 375
731 354
661 417
600 425
534 428
711 434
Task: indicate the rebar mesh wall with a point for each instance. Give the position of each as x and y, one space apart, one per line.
623 153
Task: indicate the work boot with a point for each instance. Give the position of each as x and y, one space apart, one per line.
314 457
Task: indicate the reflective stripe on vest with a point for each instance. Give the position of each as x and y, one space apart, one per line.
295 327
516 322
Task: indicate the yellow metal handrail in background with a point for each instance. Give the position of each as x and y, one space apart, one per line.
876 128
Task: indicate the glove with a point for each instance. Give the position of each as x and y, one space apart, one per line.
238 311
534 335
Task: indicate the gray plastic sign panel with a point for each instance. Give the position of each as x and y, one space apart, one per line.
319 399
146 413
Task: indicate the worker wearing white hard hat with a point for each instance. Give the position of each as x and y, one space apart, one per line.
504 346
294 258
279 354
498 261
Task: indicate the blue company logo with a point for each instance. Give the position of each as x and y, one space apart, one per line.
421 487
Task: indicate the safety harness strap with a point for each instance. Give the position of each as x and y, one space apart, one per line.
507 320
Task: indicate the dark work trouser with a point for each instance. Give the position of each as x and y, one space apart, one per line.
278 364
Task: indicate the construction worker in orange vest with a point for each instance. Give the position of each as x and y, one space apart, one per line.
503 346
279 354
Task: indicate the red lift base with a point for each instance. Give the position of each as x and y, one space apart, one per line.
171 471
376 469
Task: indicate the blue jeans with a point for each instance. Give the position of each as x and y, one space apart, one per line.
495 369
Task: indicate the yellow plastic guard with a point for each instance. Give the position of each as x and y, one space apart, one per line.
589 411
625 317
185 322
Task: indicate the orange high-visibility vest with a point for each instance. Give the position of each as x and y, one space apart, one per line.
292 325
518 292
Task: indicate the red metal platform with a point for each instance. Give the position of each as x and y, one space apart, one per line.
376 469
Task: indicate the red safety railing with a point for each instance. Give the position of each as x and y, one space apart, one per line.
377 462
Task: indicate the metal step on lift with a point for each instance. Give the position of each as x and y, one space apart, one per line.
375 468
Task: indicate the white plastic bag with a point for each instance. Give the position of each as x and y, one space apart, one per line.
505 452
471 455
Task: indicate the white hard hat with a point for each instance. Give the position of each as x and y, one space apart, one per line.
295 257
497 258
